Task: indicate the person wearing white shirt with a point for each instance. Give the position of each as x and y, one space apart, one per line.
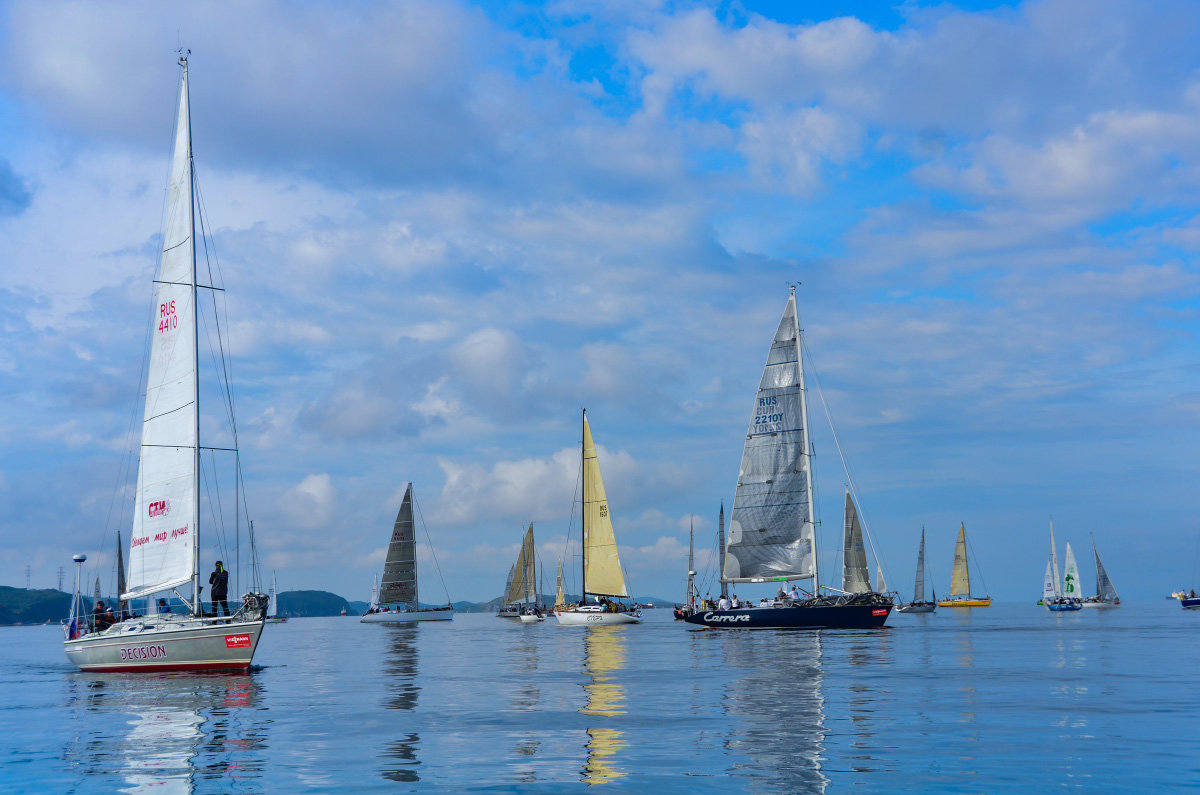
724 603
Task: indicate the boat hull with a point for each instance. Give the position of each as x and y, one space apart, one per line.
1102 605
1190 603
409 616
595 618
167 645
801 616
531 619
966 603
1064 608
917 607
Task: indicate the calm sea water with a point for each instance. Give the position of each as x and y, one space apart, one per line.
1006 699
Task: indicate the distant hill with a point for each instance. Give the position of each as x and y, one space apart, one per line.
311 603
36 606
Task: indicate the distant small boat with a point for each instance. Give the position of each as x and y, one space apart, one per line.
1106 593
521 592
918 604
960 578
398 587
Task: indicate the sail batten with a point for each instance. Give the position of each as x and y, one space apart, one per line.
771 530
162 544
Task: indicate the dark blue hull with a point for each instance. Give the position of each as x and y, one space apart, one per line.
1064 608
1190 602
814 614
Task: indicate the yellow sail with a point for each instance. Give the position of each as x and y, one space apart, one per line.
960 577
560 599
601 565
522 587
604 662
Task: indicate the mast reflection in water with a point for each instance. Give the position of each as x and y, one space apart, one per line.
162 734
782 710
604 660
401 665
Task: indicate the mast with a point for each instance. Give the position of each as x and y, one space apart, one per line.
1058 591
583 507
721 545
691 589
191 188
808 448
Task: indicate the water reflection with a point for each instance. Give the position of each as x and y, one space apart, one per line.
782 707
162 733
400 668
604 660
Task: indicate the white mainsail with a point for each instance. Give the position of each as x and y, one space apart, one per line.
399 583
919 585
855 575
1058 591
163 546
771 530
273 610
1071 588
602 573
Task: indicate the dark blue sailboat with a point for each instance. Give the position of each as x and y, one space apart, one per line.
772 536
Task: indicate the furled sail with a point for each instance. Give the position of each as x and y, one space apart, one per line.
919 585
601 564
960 575
855 578
521 588
771 531
162 544
1071 586
1104 586
399 583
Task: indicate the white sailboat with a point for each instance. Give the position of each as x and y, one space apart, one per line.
273 616
918 604
1106 593
398 602
164 550
772 531
602 574
1054 591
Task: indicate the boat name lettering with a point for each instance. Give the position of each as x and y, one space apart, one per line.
143 653
767 419
237 641
768 401
160 508
167 319
137 542
176 533
726 618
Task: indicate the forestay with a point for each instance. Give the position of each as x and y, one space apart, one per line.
601 565
162 545
855 578
399 584
771 531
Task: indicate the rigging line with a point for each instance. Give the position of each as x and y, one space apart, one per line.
571 521
432 553
971 552
850 482
215 505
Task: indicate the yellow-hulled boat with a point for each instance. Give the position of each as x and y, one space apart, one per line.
960 578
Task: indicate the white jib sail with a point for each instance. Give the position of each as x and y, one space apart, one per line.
1054 562
162 546
1048 584
771 531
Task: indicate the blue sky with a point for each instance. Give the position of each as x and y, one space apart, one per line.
446 227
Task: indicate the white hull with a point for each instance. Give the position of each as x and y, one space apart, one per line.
159 643
576 618
532 619
1101 605
409 617
911 608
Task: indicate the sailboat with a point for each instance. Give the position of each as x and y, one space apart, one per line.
602 574
521 598
855 576
1055 594
560 597
960 578
398 587
918 604
164 550
273 616
1106 592
772 533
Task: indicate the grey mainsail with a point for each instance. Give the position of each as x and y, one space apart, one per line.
1104 586
855 577
771 532
919 585
399 584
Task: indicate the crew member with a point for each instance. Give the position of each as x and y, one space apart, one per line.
219 580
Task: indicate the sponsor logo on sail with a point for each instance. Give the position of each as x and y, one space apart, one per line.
160 508
237 641
143 653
